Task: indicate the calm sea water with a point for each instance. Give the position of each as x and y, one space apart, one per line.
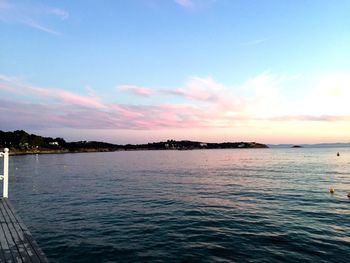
261 205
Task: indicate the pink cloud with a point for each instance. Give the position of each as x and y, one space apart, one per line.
127 111
202 103
60 108
90 101
16 86
196 89
201 89
17 115
155 117
141 91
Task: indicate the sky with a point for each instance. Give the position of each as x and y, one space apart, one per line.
140 71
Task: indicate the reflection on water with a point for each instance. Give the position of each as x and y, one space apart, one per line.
247 205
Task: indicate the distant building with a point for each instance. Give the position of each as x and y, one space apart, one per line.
53 143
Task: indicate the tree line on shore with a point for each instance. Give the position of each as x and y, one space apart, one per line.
21 141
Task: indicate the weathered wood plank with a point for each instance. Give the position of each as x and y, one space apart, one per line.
35 247
16 243
33 250
4 246
2 256
17 240
7 241
24 248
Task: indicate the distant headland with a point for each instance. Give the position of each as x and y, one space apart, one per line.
21 142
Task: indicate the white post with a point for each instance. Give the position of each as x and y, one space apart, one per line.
5 192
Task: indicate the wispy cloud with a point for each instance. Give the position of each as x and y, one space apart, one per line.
60 108
35 25
319 118
16 86
63 14
185 3
265 98
197 89
136 90
34 16
194 4
200 103
201 89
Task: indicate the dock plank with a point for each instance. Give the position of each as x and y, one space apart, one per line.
2 256
28 237
16 246
17 234
10 249
16 243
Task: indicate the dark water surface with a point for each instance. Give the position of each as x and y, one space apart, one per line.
261 205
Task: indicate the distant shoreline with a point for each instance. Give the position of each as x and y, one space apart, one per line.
17 152
317 145
20 143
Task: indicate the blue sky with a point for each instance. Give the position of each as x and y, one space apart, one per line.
161 69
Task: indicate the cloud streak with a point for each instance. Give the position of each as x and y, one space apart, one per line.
196 89
201 89
60 108
61 13
201 103
31 23
194 4
185 3
34 16
136 90
16 86
320 118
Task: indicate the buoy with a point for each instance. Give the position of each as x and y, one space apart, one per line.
348 195
331 190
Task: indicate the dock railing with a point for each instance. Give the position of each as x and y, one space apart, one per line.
5 176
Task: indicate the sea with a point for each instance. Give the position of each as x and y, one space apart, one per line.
232 205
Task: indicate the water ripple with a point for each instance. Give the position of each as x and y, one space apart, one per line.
268 205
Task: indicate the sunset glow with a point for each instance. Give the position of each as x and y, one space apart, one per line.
199 70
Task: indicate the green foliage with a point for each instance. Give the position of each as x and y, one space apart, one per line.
24 141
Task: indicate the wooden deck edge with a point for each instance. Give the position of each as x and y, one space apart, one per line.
27 235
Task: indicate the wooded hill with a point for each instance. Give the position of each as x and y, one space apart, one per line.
22 142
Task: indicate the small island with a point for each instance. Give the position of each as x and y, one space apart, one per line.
21 142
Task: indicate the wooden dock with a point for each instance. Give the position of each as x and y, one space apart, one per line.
16 243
